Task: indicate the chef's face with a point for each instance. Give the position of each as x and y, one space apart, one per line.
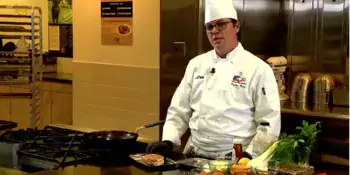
222 34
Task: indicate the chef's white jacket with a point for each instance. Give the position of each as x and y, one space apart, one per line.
221 99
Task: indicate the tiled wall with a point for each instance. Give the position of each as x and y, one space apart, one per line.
64 65
109 96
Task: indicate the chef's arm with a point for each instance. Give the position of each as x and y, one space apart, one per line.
267 108
179 111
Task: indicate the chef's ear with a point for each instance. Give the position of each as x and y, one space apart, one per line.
237 26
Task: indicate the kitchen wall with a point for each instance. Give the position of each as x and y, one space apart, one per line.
116 87
63 64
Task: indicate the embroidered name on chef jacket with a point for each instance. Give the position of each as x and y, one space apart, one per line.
239 80
199 77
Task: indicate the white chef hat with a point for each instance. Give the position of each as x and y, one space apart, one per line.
217 9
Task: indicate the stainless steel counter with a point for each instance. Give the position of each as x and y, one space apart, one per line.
303 109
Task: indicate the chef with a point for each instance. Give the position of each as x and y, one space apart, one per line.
226 94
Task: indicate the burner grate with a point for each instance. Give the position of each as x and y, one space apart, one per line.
58 145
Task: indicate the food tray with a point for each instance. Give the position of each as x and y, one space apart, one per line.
193 163
169 164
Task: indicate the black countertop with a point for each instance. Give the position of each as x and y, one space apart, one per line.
129 168
58 77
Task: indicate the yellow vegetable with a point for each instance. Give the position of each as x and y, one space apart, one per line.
243 161
239 169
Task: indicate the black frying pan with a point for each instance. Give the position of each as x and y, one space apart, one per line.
115 141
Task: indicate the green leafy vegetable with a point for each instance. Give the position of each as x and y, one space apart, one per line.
296 149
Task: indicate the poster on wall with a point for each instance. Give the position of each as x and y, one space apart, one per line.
117 22
60 11
60 15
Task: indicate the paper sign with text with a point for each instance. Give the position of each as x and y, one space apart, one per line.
116 22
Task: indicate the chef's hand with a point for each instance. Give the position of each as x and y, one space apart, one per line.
163 148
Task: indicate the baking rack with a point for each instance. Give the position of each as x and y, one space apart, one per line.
22 66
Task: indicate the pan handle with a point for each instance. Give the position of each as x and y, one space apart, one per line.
151 125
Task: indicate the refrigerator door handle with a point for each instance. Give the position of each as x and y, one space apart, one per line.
183 46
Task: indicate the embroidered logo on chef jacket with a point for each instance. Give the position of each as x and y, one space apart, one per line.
239 80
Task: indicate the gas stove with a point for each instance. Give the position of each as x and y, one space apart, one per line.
49 149
10 143
53 148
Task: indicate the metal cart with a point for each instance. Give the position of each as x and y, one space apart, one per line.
23 65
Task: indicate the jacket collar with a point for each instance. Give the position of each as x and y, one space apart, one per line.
231 56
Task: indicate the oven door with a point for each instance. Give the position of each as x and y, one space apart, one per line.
9 156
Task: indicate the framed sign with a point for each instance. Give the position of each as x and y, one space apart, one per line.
60 11
117 22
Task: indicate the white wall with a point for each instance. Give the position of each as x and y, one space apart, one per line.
116 87
87 35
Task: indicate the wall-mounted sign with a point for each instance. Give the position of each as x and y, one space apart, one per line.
116 22
60 11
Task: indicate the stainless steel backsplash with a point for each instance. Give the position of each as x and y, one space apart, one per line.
312 34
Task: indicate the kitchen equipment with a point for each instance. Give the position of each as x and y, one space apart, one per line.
279 65
52 148
194 162
323 87
301 88
169 164
118 142
4 125
10 143
341 96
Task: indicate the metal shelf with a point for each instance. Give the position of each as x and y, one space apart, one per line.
14 58
7 67
18 37
17 16
14 82
17 23
26 66
14 29
14 66
37 53
16 95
